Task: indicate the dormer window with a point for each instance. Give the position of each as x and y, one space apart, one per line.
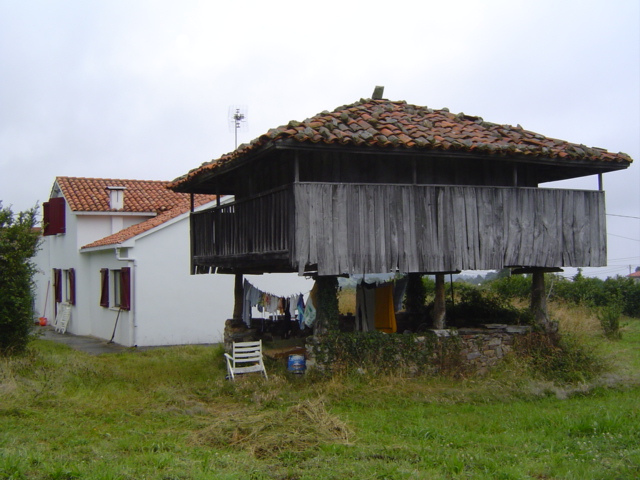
116 197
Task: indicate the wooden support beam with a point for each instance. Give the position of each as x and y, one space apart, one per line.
327 307
539 300
439 307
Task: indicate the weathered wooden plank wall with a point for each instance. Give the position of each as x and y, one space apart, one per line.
382 228
259 225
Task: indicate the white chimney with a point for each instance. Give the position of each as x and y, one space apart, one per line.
116 197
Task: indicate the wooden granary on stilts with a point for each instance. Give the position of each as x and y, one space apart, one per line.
385 186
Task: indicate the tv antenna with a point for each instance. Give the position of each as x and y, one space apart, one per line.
237 119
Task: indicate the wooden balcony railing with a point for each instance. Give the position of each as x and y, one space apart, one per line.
258 226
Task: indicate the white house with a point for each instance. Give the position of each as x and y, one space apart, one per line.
117 252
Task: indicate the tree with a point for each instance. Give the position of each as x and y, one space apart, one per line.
18 244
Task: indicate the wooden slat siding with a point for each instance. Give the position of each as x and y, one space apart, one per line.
441 228
300 223
377 228
249 226
490 210
601 242
449 224
394 234
512 230
568 252
582 227
327 218
359 208
339 222
598 248
472 199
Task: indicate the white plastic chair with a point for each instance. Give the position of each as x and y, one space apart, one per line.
246 357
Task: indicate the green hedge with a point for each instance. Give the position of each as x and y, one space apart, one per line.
619 292
18 244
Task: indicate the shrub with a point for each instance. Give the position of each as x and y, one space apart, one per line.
18 244
515 286
591 292
476 305
609 317
556 357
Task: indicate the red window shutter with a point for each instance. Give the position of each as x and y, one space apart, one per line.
53 216
46 218
125 288
57 284
72 286
104 287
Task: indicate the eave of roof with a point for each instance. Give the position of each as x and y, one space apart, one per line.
133 231
387 125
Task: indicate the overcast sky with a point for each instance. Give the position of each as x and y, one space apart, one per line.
142 89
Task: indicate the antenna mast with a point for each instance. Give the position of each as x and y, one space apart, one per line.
237 118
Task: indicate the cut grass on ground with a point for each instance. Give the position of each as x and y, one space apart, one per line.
169 414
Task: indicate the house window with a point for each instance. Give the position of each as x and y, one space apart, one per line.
116 291
69 286
53 216
64 285
115 288
57 285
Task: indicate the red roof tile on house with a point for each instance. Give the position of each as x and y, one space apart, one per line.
140 196
91 194
397 124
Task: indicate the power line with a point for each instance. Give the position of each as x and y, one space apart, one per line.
626 238
623 216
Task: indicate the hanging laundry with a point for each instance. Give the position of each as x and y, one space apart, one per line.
399 290
309 314
385 315
300 306
310 311
365 306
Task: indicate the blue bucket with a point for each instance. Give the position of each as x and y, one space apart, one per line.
296 364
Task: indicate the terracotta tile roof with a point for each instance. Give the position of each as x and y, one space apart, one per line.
91 194
635 274
388 124
137 229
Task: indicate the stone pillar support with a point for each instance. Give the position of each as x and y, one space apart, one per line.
439 307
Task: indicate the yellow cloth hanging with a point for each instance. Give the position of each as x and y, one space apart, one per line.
385 315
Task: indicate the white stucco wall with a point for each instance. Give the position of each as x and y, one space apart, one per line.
59 251
169 306
173 307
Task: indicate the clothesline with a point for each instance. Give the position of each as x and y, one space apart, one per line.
291 306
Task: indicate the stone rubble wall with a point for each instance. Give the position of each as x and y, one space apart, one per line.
480 348
484 348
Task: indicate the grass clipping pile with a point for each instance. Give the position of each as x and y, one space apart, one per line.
301 427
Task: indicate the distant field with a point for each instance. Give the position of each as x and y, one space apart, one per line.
170 414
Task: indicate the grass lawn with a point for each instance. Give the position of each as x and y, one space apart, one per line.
169 414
